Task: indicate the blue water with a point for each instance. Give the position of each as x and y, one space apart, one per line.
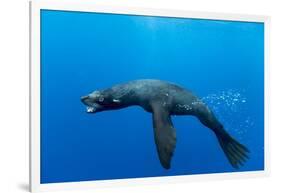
222 62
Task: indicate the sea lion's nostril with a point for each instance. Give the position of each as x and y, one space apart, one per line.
84 97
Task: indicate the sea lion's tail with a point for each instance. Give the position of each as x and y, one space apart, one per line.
235 152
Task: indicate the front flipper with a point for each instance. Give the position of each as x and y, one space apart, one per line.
164 134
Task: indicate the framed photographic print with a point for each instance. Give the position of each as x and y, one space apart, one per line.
124 95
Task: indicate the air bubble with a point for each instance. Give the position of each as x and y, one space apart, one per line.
230 108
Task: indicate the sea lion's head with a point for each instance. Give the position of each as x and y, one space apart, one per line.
99 101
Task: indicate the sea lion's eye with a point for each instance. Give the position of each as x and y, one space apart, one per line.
101 99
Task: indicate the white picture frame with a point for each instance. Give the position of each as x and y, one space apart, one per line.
36 6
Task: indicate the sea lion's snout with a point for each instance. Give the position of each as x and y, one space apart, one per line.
84 98
92 102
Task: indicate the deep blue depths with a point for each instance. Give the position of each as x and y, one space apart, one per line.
221 61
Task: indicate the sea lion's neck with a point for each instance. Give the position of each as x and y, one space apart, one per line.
125 93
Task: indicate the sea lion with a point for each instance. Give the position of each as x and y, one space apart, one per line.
164 99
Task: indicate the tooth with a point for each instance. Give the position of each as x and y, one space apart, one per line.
90 109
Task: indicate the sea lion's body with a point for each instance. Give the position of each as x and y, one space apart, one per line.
145 92
164 99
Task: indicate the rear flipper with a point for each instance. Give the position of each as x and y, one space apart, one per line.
235 152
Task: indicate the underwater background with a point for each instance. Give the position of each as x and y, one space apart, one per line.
222 62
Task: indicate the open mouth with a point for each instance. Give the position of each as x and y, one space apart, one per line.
93 108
